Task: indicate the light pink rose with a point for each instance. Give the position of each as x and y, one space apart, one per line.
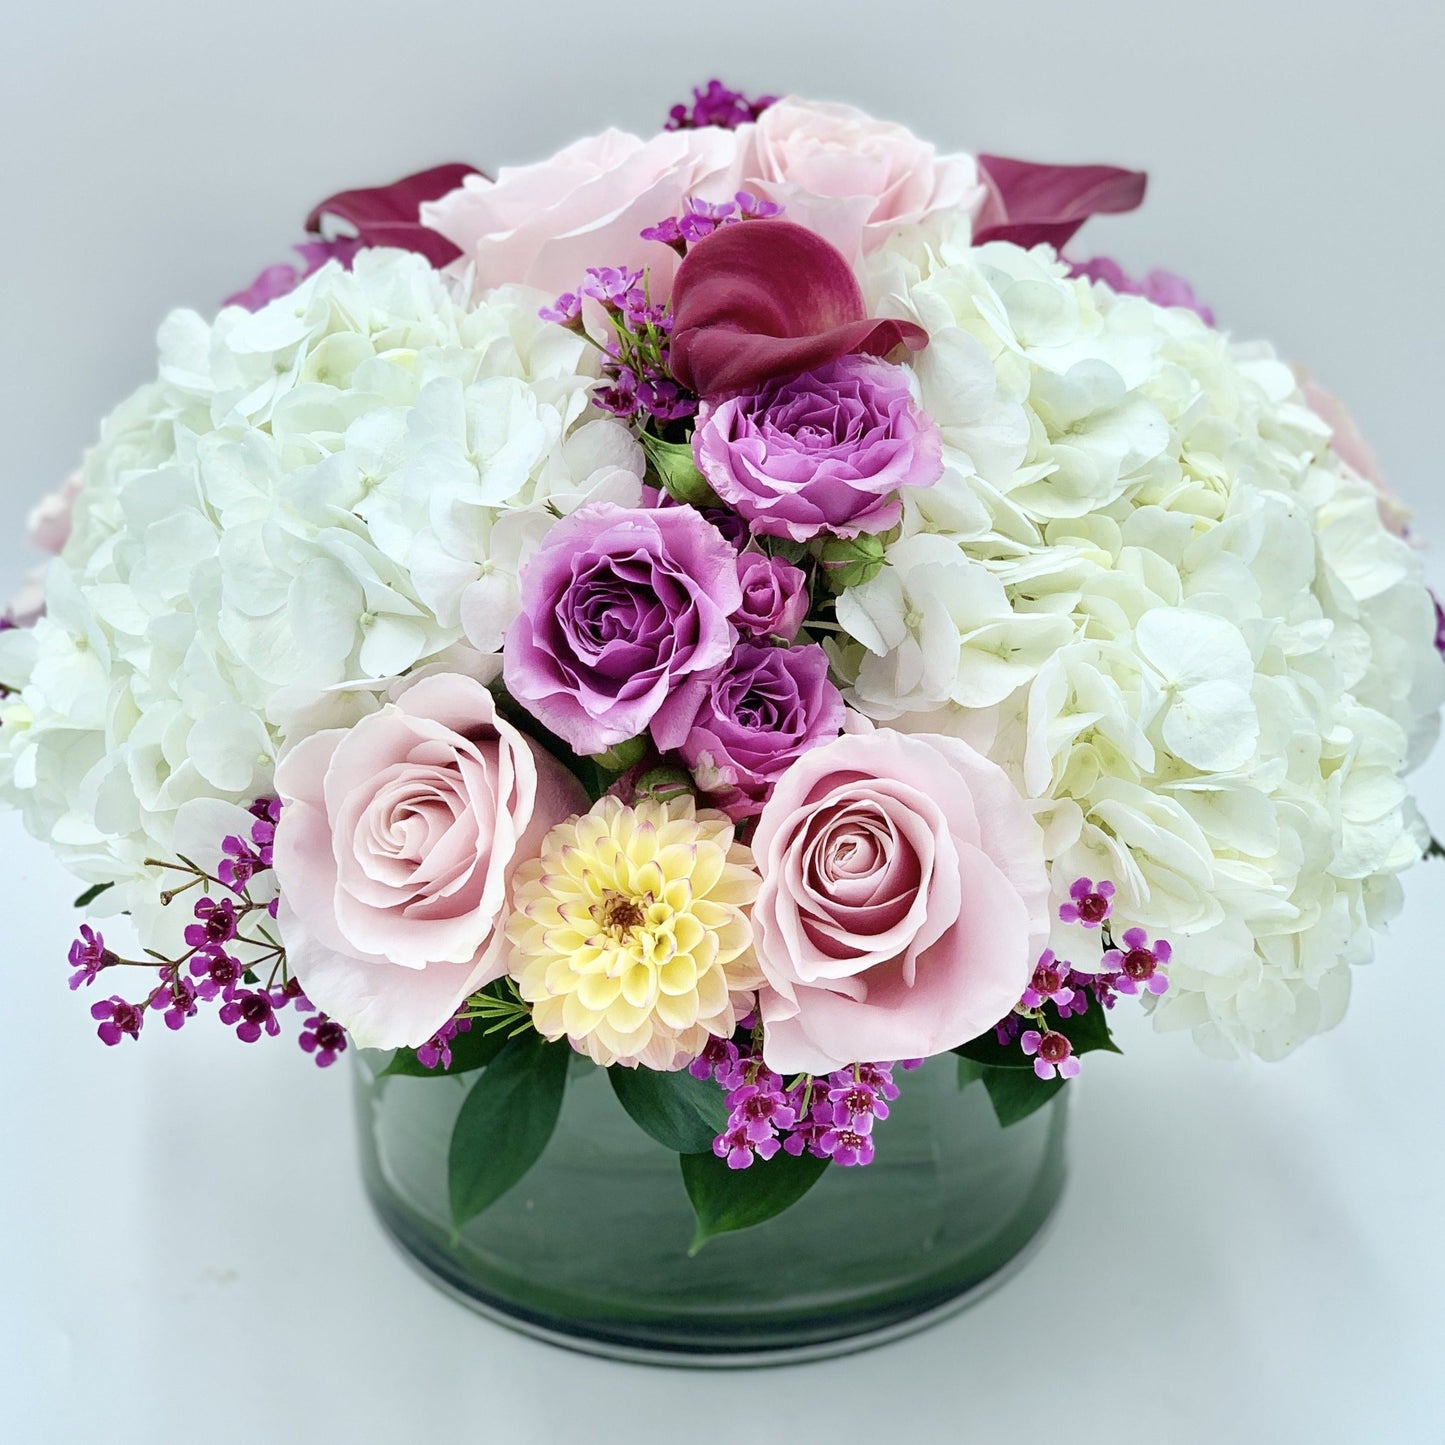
543 225
48 525
395 852
849 177
1349 445
903 905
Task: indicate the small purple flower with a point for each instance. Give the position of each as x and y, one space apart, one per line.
775 597
217 924
566 310
218 972
437 1051
760 1109
1051 1052
253 1012
117 1018
719 1061
740 727
88 955
1439 625
716 105
323 1037
1088 904
824 452
239 865
1139 963
177 996
848 1145
855 1104
1050 983
739 1150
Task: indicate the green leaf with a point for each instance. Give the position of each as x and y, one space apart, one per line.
1015 1094
986 1049
678 473
1088 1031
727 1199
472 1050
505 1123
969 1072
91 894
682 1113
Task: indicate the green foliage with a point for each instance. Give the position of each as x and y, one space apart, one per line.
850 561
470 1051
1014 1090
91 894
682 1113
505 1123
678 473
726 1199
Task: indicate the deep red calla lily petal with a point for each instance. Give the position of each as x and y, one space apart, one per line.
387 215
770 298
1032 203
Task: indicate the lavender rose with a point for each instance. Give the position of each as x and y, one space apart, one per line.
775 597
739 729
826 451
619 607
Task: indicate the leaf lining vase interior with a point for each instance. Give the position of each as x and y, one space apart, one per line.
591 1249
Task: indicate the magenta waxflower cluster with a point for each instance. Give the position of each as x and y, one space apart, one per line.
701 218
636 378
1136 966
715 104
829 1117
212 970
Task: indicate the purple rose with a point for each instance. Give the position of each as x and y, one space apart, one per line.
739 729
822 452
619 606
775 597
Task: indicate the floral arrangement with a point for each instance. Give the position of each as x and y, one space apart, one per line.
748 607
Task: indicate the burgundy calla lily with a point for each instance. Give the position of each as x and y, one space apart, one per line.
766 299
1029 204
388 215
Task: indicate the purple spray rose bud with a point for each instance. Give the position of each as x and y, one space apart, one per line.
822 452
619 607
740 728
775 597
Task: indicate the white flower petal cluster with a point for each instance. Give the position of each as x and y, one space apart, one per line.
1156 595
308 502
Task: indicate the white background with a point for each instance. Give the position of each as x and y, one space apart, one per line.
1248 1254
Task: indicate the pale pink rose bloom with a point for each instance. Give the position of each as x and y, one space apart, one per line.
47 529
395 853
904 901
849 177
48 525
1350 446
543 225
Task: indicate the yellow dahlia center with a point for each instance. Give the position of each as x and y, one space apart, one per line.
630 934
619 914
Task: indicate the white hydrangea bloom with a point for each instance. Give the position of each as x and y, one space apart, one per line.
1171 612
311 500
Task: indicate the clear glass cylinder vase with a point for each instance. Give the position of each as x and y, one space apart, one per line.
591 1249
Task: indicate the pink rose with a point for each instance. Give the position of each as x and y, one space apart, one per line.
395 852
903 905
849 177
543 225
1349 445
48 525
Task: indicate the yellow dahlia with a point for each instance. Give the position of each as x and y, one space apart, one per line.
630 934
